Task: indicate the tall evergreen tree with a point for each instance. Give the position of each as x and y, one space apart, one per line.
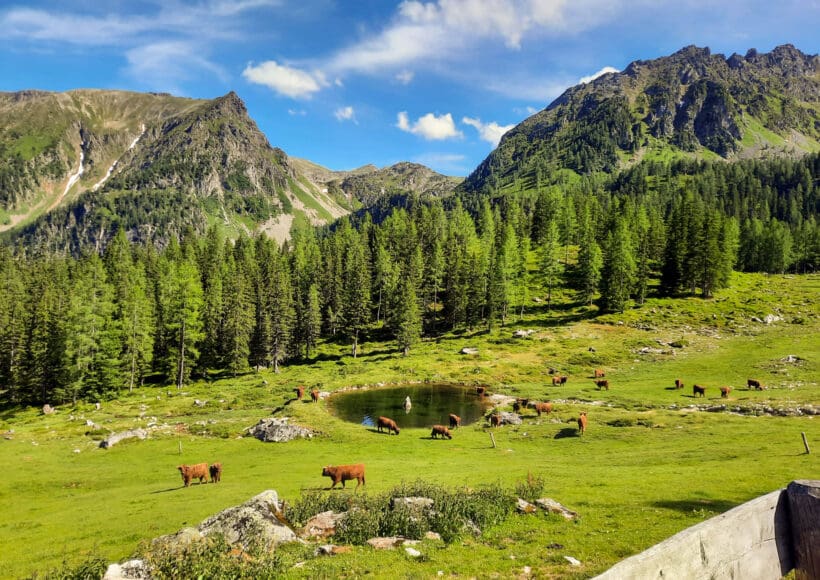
617 276
182 300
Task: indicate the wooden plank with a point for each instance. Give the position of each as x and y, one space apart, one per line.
804 509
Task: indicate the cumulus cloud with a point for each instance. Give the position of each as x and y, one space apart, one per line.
429 126
489 132
593 76
345 114
285 80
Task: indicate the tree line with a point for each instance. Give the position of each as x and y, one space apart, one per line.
91 326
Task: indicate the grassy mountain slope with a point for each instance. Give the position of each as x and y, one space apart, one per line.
689 104
173 162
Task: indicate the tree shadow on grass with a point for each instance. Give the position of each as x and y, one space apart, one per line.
167 490
694 505
567 432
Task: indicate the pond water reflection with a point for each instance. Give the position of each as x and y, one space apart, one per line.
430 404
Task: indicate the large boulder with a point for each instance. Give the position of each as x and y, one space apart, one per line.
130 570
252 522
278 430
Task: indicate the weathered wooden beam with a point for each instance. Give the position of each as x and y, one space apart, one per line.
804 509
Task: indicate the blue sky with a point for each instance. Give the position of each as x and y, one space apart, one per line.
345 83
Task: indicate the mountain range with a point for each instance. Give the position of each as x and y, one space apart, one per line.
78 165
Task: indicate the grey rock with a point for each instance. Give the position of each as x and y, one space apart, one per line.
278 430
387 543
554 507
115 438
510 418
412 552
256 520
130 570
522 333
413 503
525 507
469 350
48 409
322 525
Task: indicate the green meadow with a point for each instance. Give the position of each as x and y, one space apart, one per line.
654 460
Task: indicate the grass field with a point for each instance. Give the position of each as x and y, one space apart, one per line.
654 460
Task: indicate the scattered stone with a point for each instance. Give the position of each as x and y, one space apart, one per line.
525 507
331 550
469 350
277 430
385 543
554 507
510 418
537 300
772 318
130 570
413 503
97 406
76 451
756 319
522 333
48 409
265 382
591 349
322 525
433 536
526 571
198 403
412 552
555 546
572 560
471 527
791 359
115 438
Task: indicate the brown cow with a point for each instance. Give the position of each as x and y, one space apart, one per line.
564 379
440 430
314 394
599 373
389 424
603 384
495 420
724 392
520 404
480 391
754 384
698 390
455 421
678 384
345 472
582 423
543 408
191 472
300 392
216 472
556 380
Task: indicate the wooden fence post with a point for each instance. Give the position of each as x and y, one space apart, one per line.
804 512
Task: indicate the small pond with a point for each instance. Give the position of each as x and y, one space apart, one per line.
430 404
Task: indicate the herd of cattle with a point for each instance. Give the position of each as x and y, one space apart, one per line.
343 473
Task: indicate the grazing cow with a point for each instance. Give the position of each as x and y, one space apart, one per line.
543 408
678 384
698 390
300 392
582 423
216 472
345 472
564 379
520 404
556 380
603 384
495 420
724 392
191 472
440 430
385 423
599 373
455 421
480 391
754 384
314 394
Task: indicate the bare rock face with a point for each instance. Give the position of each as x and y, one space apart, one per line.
277 430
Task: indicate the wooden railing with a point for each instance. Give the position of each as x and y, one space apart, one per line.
763 539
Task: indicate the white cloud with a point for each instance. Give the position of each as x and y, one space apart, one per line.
429 126
345 114
489 132
297 112
163 65
592 77
405 77
448 163
285 80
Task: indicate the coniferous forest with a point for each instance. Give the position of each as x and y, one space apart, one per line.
90 326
